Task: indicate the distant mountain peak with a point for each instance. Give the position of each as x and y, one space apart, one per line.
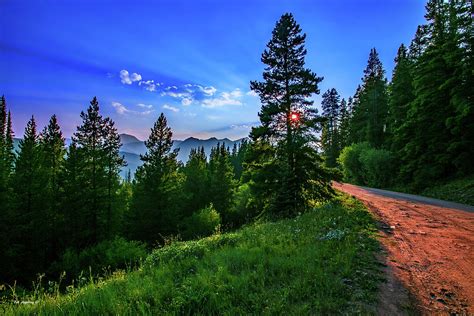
127 139
191 139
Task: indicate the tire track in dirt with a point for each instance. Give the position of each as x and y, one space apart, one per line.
430 250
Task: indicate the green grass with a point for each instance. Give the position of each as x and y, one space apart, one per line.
319 263
460 190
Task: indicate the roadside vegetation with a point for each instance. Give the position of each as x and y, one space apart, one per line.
416 131
460 190
321 262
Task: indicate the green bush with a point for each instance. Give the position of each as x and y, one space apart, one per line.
378 166
109 255
365 165
352 168
201 224
243 209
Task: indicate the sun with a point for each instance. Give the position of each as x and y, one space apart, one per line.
295 117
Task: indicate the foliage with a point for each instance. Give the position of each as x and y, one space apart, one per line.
276 267
288 122
156 194
353 169
196 184
379 167
330 139
117 253
221 182
202 223
368 121
365 165
243 209
94 178
459 190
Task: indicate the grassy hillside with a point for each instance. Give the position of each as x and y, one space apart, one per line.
320 262
460 190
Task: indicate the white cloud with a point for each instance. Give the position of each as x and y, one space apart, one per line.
150 85
135 77
122 109
146 106
127 78
252 93
225 98
209 91
242 126
186 101
171 108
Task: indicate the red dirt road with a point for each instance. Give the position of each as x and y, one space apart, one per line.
430 250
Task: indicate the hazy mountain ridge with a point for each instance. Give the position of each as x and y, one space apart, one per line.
132 148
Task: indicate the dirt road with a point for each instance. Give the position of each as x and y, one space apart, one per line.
430 248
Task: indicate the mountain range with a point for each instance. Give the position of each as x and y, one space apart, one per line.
132 148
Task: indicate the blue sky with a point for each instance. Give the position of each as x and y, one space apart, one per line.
192 60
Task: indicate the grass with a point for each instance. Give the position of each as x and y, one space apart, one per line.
459 190
321 262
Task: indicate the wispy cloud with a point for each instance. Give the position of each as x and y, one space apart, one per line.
245 126
252 93
225 98
186 101
127 78
150 85
208 91
122 109
146 106
171 108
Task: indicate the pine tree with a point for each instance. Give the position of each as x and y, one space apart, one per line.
29 221
401 95
424 155
196 184
459 56
52 151
237 158
221 181
96 143
370 114
155 204
330 133
114 162
7 264
288 118
71 200
344 121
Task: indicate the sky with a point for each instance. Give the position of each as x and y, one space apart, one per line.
191 60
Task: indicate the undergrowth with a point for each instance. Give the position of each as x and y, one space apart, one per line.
321 262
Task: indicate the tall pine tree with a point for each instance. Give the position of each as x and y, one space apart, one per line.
29 219
330 134
52 151
288 120
156 198
370 113
97 157
401 95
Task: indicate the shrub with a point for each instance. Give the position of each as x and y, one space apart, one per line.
365 165
379 167
243 209
353 170
117 253
203 223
